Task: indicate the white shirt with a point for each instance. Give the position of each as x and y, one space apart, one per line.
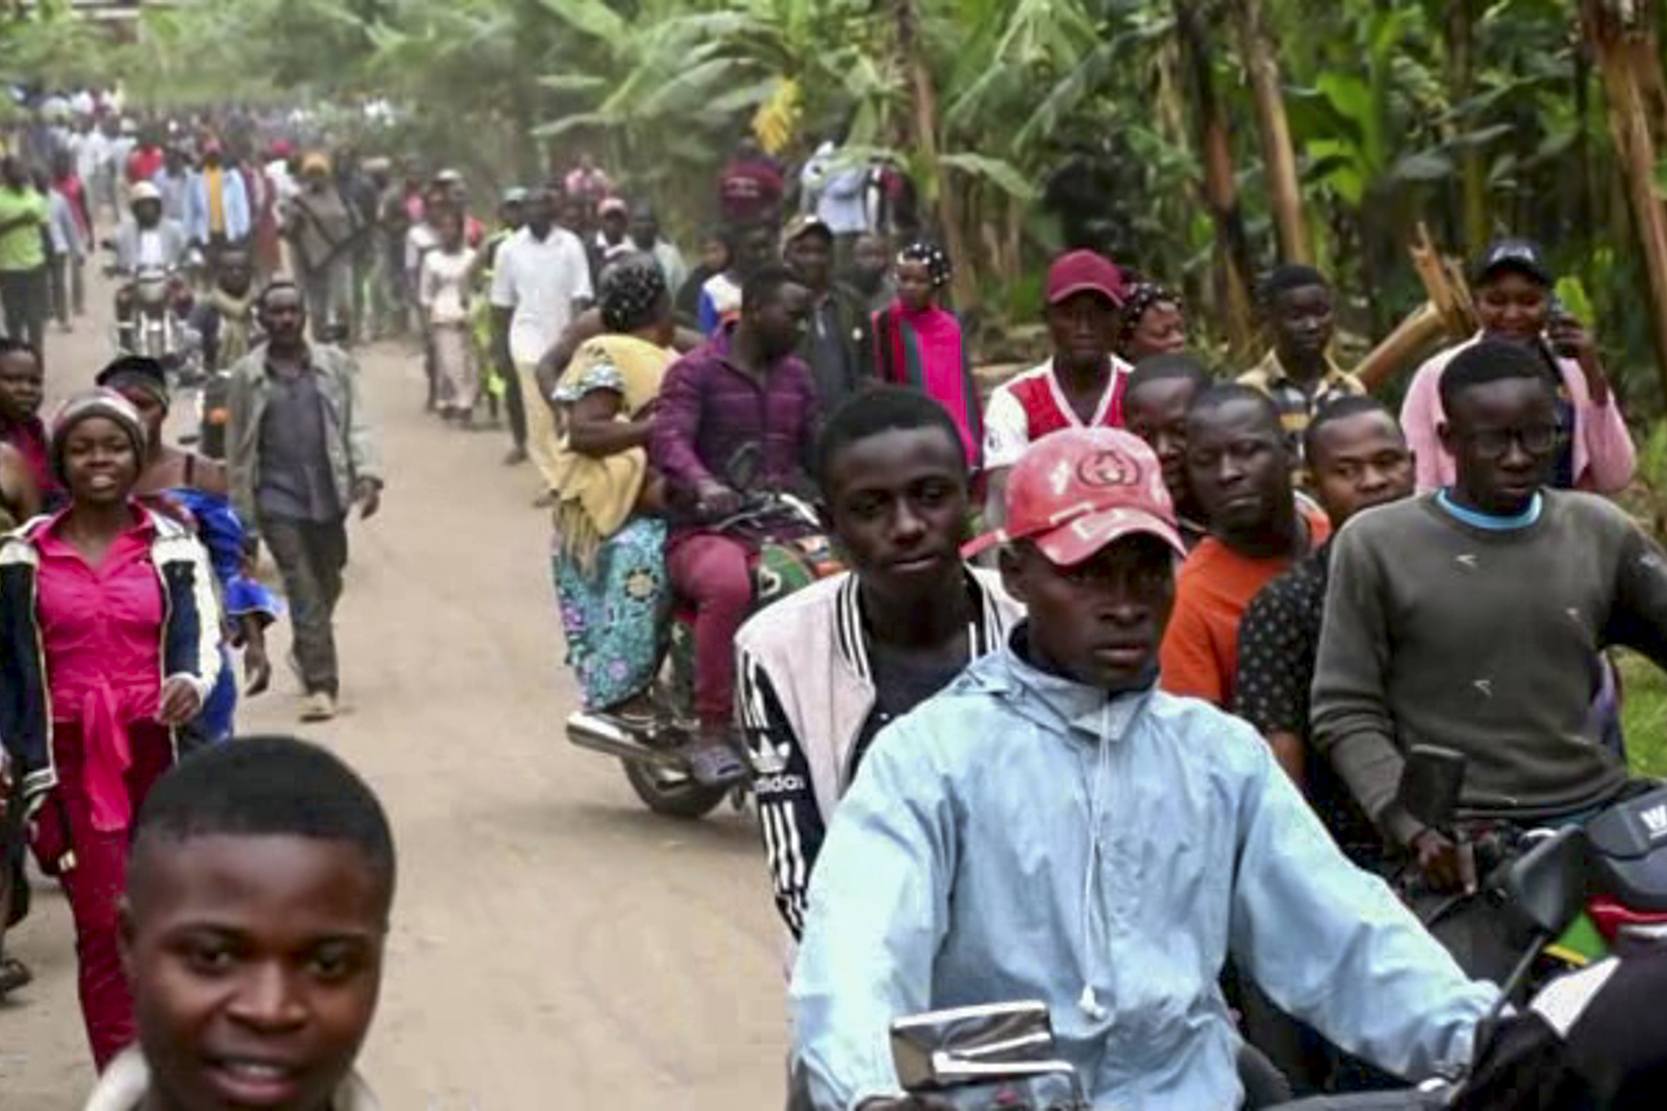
419 241
1034 398
152 251
93 158
540 280
443 288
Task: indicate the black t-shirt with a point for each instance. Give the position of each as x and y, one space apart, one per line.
1279 640
900 684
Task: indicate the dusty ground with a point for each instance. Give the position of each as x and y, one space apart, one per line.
554 945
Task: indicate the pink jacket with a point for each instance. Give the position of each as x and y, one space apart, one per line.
1604 458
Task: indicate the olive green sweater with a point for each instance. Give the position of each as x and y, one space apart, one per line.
1437 632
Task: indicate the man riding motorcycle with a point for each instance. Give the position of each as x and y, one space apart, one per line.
1053 827
144 239
1430 637
742 395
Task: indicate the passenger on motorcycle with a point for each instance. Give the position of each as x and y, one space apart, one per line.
1053 827
1471 618
743 394
821 672
609 552
225 317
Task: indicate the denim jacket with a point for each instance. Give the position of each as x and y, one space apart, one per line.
1024 837
348 440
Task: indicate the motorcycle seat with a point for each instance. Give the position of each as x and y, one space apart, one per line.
1629 851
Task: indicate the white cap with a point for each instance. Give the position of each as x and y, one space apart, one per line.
143 191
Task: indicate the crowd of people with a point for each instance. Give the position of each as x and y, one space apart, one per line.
1142 738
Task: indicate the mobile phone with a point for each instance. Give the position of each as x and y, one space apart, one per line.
1556 310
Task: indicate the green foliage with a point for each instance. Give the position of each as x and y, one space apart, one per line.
1475 116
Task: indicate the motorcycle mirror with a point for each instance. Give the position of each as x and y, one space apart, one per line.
1547 885
1430 784
935 1049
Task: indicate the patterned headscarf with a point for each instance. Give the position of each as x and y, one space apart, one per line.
98 402
1140 297
631 287
937 262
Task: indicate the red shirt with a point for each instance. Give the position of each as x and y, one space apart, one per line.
29 438
749 191
1030 405
1200 652
143 164
101 632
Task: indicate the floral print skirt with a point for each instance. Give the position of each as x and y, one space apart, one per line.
615 616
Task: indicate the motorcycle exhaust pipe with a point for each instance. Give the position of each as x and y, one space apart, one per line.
601 733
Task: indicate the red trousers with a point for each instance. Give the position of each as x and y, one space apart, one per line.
94 886
714 572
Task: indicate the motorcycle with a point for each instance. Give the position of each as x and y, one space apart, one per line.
651 750
152 308
1001 1057
1611 871
1625 847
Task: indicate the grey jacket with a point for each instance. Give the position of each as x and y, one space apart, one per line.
174 244
351 447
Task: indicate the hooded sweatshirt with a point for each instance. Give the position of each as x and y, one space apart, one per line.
1022 836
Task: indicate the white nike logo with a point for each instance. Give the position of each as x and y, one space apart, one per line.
1485 686
1469 561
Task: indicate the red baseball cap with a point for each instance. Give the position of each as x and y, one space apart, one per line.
1074 491
1084 271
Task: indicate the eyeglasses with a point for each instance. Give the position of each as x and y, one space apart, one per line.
1494 443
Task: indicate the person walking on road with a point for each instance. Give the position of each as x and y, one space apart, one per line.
260 863
22 388
300 454
175 478
443 291
540 279
111 646
23 213
321 227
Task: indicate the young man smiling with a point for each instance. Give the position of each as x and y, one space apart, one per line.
258 896
1052 827
821 672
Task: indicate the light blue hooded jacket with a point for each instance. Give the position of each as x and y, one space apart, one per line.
1021 836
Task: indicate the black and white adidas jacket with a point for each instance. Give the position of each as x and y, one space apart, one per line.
804 692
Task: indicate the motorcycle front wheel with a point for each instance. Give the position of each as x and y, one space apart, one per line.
672 794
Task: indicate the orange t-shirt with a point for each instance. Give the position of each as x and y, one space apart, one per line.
1200 653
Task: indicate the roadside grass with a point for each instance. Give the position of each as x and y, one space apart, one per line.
1644 715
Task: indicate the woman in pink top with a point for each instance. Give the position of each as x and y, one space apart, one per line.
109 634
1513 287
918 343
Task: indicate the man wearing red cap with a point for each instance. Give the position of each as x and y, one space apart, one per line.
1080 386
1053 827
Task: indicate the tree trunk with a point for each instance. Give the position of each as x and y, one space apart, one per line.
1628 59
1261 62
1461 84
925 139
1221 193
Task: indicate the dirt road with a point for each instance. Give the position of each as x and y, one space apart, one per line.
554 945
